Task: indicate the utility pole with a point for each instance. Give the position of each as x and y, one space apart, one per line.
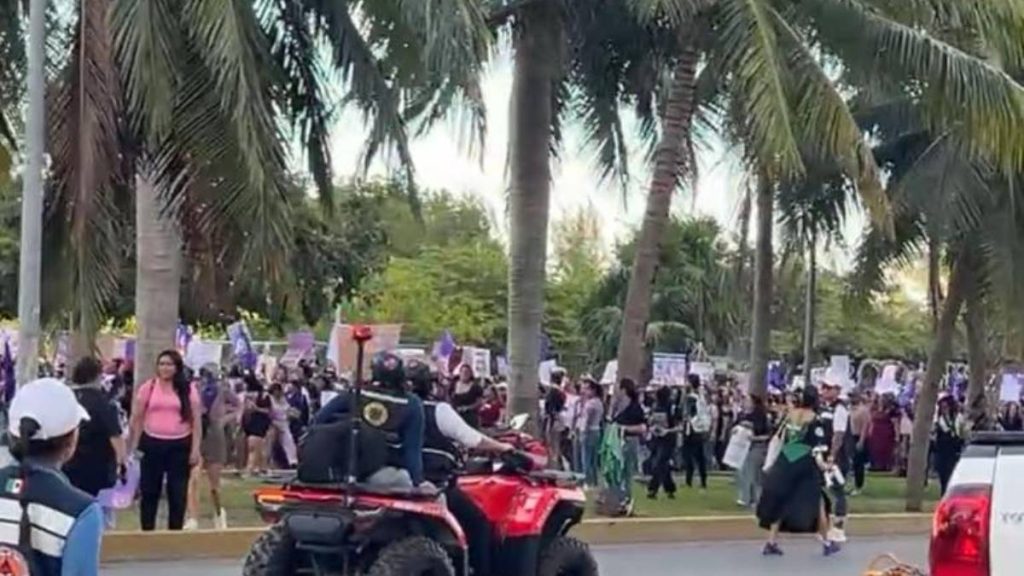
30 272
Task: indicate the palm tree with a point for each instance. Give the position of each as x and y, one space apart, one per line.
582 57
203 84
765 58
944 197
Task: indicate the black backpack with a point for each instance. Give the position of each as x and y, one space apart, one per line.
323 453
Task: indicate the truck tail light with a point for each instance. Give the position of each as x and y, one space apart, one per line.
960 532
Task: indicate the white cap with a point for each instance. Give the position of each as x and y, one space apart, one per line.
49 402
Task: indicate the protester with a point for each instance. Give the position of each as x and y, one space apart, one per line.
592 415
256 425
166 427
280 435
554 426
468 396
696 422
792 499
101 447
748 479
492 410
663 422
633 423
860 427
44 425
722 420
1010 418
948 435
836 417
218 401
884 428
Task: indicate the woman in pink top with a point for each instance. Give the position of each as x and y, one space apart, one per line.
166 427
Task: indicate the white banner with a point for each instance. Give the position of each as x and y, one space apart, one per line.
670 369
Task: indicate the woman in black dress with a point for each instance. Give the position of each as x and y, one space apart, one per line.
793 498
664 422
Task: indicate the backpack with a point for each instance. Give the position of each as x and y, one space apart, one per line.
324 457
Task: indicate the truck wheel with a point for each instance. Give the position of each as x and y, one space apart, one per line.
415 556
566 556
270 555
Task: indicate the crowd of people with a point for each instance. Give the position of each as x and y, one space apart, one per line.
808 448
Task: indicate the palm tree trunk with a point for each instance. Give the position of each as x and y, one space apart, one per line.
31 265
927 395
809 305
760 338
934 285
675 130
974 318
157 277
537 69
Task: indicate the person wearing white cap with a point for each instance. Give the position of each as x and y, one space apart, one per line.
47 526
839 441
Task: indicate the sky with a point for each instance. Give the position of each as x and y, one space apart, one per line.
442 162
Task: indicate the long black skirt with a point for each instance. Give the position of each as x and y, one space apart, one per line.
792 496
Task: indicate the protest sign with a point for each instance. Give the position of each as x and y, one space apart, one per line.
202 352
385 338
887 383
545 369
300 345
670 369
611 373
1010 388
502 363
479 359
241 344
704 370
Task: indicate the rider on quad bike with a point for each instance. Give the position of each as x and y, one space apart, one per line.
388 408
444 433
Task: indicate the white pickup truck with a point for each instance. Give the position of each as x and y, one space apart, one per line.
978 528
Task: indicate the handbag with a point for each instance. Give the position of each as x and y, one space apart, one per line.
774 447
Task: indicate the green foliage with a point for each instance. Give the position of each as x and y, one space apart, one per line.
446 271
10 219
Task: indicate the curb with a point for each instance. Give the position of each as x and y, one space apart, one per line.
235 543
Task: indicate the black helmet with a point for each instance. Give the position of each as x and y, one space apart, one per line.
420 378
388 370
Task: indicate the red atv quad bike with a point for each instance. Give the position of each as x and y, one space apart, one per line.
350 529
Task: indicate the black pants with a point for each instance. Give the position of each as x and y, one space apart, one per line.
476 526
695 456
860 463
164 459
945 463
661 468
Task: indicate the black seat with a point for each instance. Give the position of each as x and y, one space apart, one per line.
420 493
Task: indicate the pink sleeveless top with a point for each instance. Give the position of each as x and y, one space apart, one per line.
162 411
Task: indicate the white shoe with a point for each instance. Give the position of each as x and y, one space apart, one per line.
837 535
191 525
220 521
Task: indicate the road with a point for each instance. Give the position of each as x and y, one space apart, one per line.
803 558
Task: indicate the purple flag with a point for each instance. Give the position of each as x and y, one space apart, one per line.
182 337
446 345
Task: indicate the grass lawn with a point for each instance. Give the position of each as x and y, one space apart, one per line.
882 494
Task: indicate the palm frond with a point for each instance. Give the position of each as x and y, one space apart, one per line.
147 37
85 145
675 12
749 41
304 93
827 125
953 87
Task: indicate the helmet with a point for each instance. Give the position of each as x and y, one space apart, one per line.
388 370
420 378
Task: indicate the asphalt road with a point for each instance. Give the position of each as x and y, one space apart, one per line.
803 558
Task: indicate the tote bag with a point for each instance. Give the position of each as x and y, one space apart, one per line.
774 447
738 448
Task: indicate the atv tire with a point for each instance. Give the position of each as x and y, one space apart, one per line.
566 556
271 554
414 556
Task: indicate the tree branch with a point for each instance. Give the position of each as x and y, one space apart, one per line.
501 14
